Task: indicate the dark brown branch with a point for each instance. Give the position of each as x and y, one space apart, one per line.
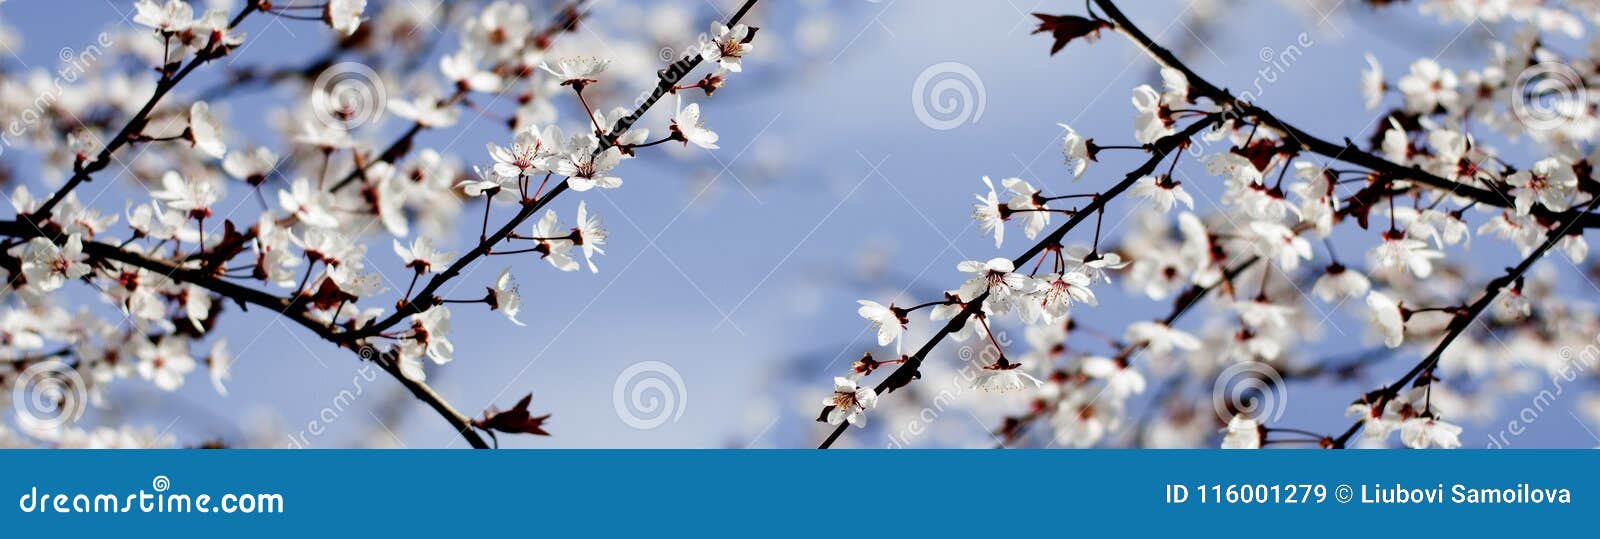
1462 321
1346 152
138 121
1159 151
566 20
245 296
425 298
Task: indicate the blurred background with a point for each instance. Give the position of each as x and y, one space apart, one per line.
851 145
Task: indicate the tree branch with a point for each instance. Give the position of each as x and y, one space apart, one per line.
136 123
1346 152
424 299
1158 152
245 296
1464 320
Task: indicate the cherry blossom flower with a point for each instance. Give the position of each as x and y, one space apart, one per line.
1161 339
48 266
1083 422
589 235
555 251
421 255
1096 265
888 321
1242 433
576 69
504 297
1549 182
1403 254
1338 283
1026 200
525 156
309 204
1442 228
429 330
1385 313
997 277
850 403
1056 293
169 18
1261 314
1377 423
213 30
252 167
1076 150
344 16
1121 381
219 363
1575 247
689 127
166 362
194 195
1424 431
1003 376
1280 243
426 110
489 182
727 46
1150 124
1163 192
1372 84
989 214
462 68
1429 86
204 131
587 169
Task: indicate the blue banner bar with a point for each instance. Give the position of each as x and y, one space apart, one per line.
793 493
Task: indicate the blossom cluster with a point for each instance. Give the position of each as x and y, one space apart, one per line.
228 222
1266 254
